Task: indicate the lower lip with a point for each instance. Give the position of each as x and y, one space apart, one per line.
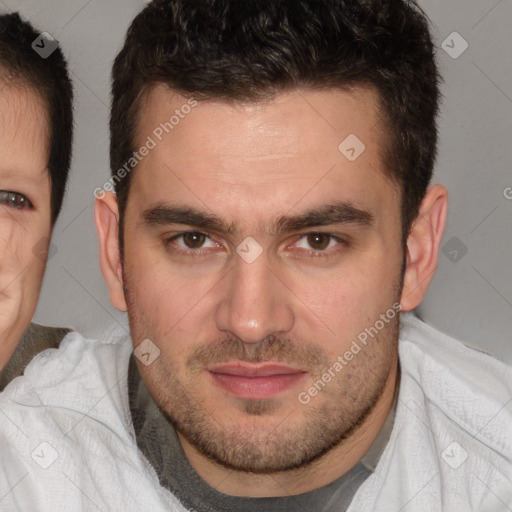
256 387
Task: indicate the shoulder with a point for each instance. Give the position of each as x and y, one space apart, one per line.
71 378
35 339
444 365
451 444
65 427
465 385
456 415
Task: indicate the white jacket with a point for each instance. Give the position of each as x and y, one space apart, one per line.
450 448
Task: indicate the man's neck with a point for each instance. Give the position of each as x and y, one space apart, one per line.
325 470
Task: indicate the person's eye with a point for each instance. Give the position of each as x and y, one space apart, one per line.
190 242
320 244
15 200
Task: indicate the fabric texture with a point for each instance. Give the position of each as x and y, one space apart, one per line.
35 339
67 441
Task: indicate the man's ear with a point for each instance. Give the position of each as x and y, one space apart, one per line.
106 217
423 246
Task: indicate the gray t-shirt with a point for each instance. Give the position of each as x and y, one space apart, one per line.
158 441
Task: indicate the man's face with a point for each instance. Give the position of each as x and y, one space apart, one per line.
244 326
24 211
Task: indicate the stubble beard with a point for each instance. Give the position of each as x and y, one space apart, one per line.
269 442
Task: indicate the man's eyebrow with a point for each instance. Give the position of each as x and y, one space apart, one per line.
335 213
341 212
161 215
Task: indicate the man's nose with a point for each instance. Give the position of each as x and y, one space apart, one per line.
255 302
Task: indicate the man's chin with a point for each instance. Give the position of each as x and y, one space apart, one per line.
259 407
259 455
257 436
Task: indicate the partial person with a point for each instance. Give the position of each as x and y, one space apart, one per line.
36 130
272 232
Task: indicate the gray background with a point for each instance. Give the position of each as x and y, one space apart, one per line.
471 294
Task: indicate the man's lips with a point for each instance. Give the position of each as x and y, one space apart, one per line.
255 380
254 369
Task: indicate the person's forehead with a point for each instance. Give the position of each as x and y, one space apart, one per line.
323 145
24 134
299 120
19 100
294 131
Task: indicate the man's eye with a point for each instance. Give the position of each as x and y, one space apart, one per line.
191 240
319 242
15 200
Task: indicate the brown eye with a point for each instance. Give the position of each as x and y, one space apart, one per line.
318 241
194 240
321 244
15 200
190 243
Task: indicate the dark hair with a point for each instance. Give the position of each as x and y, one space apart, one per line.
48 78
254 49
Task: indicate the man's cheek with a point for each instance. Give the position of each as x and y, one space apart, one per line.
172 300
155 303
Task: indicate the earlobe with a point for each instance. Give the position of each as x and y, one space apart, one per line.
423 246
106 218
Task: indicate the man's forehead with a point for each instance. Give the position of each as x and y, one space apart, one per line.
296 130
290 123
264 155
